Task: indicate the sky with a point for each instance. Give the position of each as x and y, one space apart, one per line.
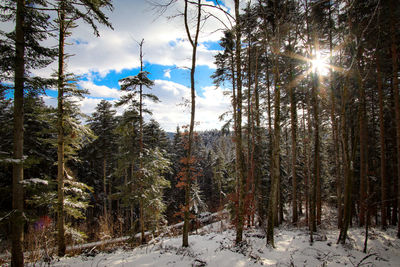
102 61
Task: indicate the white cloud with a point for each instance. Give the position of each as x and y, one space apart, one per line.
165 39
167 74
172 110
99 90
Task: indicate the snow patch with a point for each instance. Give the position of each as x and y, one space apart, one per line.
213 248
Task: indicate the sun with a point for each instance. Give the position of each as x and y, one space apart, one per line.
319 65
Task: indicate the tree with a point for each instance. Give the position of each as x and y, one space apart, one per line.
21 51
103 125
68 12
135 85
194 42
241 178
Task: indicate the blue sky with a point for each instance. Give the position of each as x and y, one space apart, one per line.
102 61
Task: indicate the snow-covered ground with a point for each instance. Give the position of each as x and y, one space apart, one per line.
213 247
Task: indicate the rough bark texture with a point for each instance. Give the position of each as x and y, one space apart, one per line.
17 256
60 137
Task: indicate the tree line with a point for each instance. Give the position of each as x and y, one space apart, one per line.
315 116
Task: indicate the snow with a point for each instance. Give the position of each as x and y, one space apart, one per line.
34 181
214 246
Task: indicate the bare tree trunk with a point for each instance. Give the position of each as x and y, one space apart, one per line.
185 235
293 119
307 165
141 207
346 165
396 98
238 134
335 135
256 144
363 146
384 200
17 226
60 139
311 208
316 193
250 134
275 170
105 187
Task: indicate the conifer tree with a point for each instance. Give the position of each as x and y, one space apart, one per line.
135 86
103 126
21 51
68 12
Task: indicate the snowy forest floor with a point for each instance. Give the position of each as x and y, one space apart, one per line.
214 246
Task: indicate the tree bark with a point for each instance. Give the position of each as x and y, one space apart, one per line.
60 138
238 134
396 98
384 200
275 170
185 235
105 187
335 135
293 120
363 146
17 256
141 207
346 165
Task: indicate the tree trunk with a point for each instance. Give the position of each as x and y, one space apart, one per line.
250 135
275 170
256 145
60 138
363 145
307 164
293 119
238 134
141 207
311 208
335 135
185 235
17 226
384 200
346 165
396 98
316 192
105 187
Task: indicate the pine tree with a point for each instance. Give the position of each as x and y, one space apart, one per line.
68 12
103 125
135 86
22 51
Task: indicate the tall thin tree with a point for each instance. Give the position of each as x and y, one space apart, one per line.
194 43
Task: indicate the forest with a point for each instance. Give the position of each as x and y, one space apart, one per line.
309 148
